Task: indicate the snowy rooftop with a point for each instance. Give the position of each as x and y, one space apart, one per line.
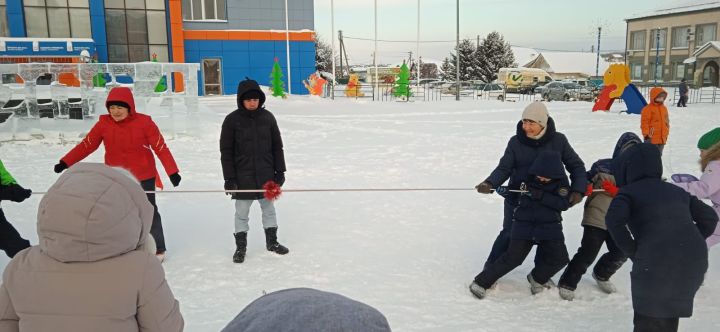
679 9
574 62
523 55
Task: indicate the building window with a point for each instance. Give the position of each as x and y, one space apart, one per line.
636 71
204 10
3 22
678 70
657 72
57 18
136 29
705 33
654 39
637 40
680 37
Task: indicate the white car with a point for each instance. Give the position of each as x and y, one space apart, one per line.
491 91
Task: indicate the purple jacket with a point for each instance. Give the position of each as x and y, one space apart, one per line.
708 187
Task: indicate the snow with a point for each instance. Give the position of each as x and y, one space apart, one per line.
573 62
524 55
409 254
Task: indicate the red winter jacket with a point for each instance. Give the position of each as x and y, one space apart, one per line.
127 142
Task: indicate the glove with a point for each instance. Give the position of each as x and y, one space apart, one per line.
484 188
589 189
16 193
279 178
575 197
681 178
610 188
230 185
535 193
175 179
61 166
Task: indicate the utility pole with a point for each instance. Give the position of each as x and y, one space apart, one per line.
657 54
417 71
287 46
457 52
332 39
377 87
597 60
340 38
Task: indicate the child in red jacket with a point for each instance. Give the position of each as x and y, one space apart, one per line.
126 136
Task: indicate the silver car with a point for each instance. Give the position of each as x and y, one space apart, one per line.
566 91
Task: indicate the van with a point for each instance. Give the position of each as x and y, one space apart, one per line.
523 80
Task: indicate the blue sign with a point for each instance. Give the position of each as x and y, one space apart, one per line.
45 48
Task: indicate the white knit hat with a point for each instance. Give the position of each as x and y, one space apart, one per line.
537 112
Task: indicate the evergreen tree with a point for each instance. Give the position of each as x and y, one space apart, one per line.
277 84
323 55
162 84
401 88
448 70
492 54
468 63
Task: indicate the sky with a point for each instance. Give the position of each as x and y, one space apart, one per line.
552 24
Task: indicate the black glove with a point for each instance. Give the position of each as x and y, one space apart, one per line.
16 193
279 178
61 166
575 197
484 188
535 193
230 185
175 179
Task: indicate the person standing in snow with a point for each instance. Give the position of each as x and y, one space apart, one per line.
10 240
130 138
535 133
708 186
654 120
537 220
683 90
594 229
251 153
90 271
662 229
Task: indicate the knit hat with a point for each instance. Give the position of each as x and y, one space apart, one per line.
252 94
709 139
117 103
537 112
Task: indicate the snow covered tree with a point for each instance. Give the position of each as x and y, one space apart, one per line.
492 54
278 86
448 70
323 55
401 88
468 63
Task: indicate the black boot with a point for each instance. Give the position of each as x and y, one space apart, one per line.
241 246
271 242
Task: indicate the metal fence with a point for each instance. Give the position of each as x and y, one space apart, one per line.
706 95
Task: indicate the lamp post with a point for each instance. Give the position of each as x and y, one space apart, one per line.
657 54
377 87
457 52
332 39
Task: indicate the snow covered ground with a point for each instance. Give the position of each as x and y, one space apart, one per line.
409 254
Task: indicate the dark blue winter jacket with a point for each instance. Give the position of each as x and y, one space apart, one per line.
683 87
662 229
537 216
521 151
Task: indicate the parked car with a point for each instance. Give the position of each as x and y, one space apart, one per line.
491 91
466 88
566 91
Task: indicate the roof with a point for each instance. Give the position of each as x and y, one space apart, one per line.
524 55
705 47
573 62
680 9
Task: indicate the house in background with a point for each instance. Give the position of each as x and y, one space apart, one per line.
683 41
230 39
569 65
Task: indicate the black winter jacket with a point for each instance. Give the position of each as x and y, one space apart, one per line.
251 148
521 151
662 229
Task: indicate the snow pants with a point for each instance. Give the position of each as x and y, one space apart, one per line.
242 214
652 324
592 240
156 230
550 258
10 240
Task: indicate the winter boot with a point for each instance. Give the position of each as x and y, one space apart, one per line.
271 242
536 287
240 247
566 294
477 290
605 285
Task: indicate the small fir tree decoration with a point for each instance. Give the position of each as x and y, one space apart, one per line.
277 84
162 84
402 88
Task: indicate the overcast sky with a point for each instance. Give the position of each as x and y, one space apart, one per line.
549 24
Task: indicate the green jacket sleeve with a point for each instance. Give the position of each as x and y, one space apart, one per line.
5 177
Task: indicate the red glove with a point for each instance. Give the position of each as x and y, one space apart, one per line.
589 189
610 188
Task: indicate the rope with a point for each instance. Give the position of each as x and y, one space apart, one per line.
202 191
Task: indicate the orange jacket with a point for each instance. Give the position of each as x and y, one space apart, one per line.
654 120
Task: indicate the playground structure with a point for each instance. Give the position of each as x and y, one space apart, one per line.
73 92
617 84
